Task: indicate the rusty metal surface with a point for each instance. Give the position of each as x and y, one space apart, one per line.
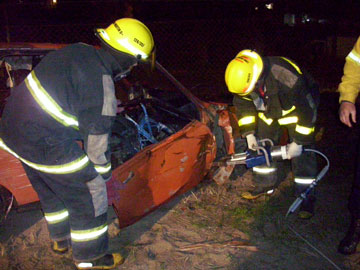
28 46
13 178
222 174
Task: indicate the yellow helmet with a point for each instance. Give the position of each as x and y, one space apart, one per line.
129 36
243 72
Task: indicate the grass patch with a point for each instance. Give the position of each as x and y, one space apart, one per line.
200 224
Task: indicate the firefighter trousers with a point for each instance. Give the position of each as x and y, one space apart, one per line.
304 167
75 207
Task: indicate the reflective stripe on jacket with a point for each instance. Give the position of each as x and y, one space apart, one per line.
66 168
69 96
350 82
290 98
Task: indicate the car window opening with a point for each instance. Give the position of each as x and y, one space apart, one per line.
150 110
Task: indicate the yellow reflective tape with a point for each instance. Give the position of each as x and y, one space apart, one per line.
288 120
85 265
354 56
293 64
103 169
48 104
288 111
56 217
264 170
246 98
66 168
126 44
266 120
88 235
246 120
304 130
304 181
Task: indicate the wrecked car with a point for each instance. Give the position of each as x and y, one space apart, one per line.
164 140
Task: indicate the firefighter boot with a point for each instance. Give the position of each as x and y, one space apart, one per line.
307 208
108 261
264 183
348 245
61 247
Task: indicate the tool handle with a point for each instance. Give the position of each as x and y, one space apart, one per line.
304 194
295 205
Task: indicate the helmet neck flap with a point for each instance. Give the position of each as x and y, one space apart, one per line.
263 75
121 63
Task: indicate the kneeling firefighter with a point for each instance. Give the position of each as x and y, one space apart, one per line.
70 97
270 94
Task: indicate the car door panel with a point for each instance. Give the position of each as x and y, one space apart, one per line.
160 172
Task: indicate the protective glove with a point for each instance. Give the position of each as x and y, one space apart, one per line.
251 141
293 150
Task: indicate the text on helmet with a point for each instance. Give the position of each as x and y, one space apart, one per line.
139 42
119 29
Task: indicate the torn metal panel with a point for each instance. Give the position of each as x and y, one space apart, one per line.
160 172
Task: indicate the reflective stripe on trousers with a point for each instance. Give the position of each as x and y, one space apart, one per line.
305 170
74 207
303 167
265 176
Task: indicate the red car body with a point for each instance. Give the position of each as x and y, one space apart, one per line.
156 172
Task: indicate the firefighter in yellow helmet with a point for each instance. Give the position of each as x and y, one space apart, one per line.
128 37
270 94
349 89
70 96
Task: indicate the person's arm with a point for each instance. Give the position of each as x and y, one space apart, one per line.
96 116
298 101
350 86
306 111
246 114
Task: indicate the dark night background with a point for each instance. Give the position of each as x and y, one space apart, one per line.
196 39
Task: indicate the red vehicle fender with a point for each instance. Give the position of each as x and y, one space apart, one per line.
178 164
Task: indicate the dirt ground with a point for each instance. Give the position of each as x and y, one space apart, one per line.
211 227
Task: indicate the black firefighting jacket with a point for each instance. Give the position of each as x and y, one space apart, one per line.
286 94
68 97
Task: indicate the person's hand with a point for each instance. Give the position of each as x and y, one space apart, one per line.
347 113
251 141
293 150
